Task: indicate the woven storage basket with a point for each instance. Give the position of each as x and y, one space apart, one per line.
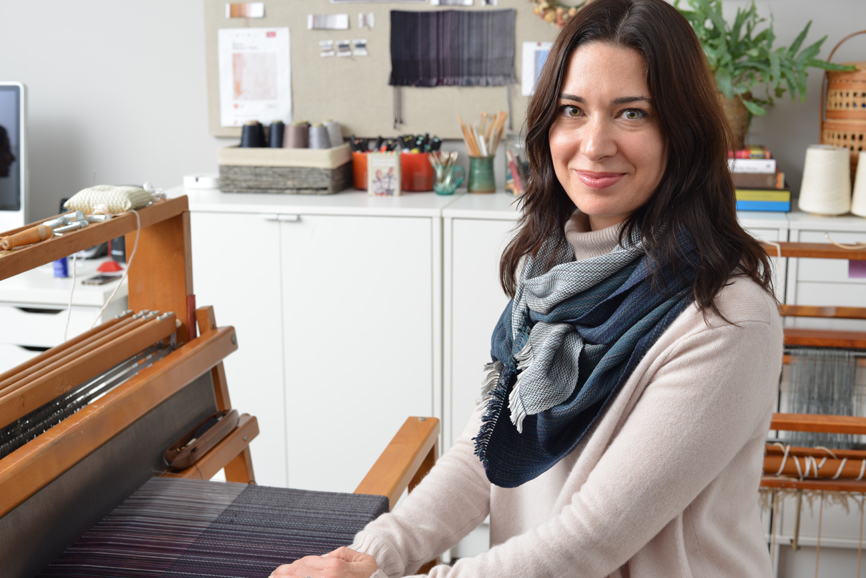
843 119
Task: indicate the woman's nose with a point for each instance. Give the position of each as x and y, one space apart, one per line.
598 140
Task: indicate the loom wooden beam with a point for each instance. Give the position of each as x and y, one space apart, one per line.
54 351
818 485
843 424
240 468
45 252
71 371
823 312
235 445
815 251
160 274
406 460
29 468
799 337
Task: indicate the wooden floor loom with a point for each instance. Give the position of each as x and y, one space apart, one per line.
165 366
816 471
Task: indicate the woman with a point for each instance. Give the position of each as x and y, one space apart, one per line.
634 371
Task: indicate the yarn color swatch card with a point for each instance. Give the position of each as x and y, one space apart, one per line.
383 174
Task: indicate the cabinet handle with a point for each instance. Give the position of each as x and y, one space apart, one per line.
280 217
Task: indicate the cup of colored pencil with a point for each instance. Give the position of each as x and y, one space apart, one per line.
482 141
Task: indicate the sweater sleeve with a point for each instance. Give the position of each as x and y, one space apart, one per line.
709 397
452 500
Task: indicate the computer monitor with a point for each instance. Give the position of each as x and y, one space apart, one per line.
13 155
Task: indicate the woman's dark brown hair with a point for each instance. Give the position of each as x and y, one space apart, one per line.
695 194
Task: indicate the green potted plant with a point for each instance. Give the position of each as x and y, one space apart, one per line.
743 60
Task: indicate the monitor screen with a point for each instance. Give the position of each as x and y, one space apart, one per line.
11 137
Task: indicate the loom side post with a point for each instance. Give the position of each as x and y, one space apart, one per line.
160 275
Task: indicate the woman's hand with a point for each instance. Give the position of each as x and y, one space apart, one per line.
341 563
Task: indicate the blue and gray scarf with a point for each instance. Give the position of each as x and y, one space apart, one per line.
563 348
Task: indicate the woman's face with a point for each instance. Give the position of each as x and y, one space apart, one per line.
606 143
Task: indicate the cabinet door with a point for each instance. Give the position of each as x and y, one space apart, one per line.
242 282
358 327
474 303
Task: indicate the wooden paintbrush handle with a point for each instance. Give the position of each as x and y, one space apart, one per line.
28 237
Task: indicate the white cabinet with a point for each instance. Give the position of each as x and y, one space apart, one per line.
337 305
242 281
476 230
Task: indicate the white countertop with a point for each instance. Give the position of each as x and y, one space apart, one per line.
348 202
40 287
463 205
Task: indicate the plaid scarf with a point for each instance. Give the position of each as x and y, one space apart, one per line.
563 348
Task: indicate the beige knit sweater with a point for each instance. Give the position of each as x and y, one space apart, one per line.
664 487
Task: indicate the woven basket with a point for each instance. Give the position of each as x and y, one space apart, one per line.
843 119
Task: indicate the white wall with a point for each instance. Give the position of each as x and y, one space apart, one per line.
119 87
114 86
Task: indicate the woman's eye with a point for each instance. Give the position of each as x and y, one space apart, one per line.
633 114
570 111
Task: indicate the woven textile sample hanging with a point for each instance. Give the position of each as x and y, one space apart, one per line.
822 382
452 48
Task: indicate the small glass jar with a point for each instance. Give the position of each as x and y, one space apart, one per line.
515 162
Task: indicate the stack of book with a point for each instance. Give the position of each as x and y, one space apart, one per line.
759 184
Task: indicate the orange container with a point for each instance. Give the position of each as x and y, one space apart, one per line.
415 168
359 170
417 172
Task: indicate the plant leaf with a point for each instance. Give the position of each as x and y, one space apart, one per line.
754 108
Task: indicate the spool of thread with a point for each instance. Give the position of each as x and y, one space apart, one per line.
296 135
858 203
319 137
335 132
275 136
826 188
252 135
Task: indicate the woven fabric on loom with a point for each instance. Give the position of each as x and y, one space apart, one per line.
452 48
191 528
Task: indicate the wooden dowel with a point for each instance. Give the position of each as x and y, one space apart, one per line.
844 424
814 251
80 348
824 312
826 468
776 450
67 376
16 371
26 237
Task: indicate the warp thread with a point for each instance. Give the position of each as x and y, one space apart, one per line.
821 382
296 135
275 135
318 138
335 132
858 203
252 135
826 187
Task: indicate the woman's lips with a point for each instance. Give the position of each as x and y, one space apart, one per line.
599 181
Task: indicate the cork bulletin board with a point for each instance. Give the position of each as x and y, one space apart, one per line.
354 90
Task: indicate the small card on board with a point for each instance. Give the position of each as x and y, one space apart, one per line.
383 174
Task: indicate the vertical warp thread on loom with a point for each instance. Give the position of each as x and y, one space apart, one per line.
822 382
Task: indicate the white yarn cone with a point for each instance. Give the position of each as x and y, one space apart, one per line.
826 187
335 133
858 203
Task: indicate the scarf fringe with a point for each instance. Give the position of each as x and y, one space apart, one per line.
494 370
515 404
495 400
